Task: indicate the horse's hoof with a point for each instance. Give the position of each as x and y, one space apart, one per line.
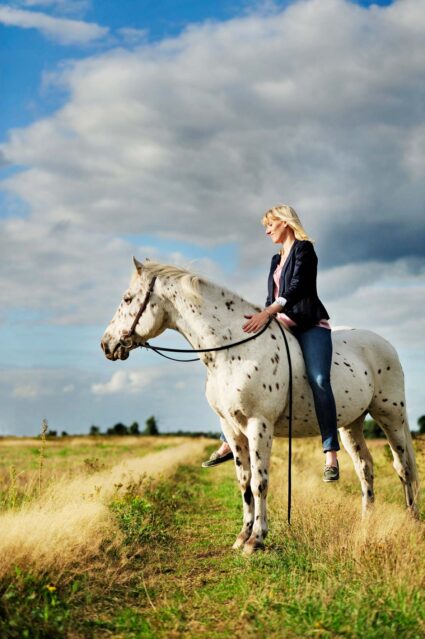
414 513
251 547
238 544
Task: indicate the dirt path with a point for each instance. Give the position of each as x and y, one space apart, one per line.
72 518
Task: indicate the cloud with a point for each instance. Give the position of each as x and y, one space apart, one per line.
26 391
148 143
126 381
33 384
65 397
386 298
61 6
73 277
65 7
131 36
61 30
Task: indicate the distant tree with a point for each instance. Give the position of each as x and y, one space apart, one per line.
118 429
52 433
151 426
94 430
372 430
421 424
134 429
64 433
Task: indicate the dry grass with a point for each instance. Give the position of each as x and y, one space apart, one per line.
70 521
331 574
63 458
387 546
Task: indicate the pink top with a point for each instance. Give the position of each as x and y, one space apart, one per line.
282 317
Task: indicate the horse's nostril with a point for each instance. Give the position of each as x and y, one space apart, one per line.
104 346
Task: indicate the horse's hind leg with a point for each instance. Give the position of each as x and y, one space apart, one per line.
239 445
393 421
354 443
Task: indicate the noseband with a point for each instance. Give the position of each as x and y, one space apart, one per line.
125 340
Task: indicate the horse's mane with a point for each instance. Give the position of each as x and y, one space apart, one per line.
189 282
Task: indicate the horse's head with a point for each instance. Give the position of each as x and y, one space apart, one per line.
139 317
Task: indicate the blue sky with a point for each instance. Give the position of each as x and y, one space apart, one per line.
26 55
115 142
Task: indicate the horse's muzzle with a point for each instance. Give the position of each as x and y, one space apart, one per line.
121 351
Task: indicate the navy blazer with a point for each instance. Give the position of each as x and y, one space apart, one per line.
298 285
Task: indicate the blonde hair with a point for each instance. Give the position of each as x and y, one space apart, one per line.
287 213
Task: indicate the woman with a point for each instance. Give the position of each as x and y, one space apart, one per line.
292 286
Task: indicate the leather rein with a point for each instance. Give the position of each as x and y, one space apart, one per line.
124 341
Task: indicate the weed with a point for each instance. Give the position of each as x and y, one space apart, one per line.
44 429
387 452
147 519
31 607
93 465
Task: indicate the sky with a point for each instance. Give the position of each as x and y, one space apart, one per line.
165 130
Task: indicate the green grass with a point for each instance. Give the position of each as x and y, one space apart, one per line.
204 587
176 576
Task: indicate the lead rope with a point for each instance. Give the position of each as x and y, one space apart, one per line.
290 424
157 350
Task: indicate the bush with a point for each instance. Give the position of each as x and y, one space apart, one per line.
372 430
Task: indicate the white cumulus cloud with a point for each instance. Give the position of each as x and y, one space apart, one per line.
124 381
62 30
192 138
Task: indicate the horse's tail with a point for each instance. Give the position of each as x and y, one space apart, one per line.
411 457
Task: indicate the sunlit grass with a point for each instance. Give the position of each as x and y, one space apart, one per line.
70 521
105 552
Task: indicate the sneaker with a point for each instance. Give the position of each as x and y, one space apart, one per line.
331 473
217 459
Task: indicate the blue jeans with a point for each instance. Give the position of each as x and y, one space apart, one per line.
316 346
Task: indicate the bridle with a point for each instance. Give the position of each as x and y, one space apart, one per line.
126 342
126 338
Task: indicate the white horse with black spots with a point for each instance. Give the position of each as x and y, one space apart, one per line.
247 385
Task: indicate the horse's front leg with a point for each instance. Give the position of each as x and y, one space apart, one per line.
260 434
239 445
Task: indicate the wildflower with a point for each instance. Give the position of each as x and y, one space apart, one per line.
51 587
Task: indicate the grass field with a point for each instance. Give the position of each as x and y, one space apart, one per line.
129 537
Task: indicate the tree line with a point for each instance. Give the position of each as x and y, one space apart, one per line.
151 429
371 430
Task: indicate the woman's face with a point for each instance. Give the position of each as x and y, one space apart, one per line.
276 229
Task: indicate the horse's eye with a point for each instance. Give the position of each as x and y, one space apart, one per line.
127 298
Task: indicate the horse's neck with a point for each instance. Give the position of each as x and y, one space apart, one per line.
214 321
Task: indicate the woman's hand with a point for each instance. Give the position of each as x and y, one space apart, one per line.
255 321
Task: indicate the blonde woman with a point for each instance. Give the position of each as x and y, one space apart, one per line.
292 298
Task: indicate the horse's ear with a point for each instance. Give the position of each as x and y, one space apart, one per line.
138 265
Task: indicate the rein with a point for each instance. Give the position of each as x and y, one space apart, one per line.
157 350
202 350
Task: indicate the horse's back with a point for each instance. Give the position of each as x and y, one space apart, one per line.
367 344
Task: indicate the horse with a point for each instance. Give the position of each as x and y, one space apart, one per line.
247 385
